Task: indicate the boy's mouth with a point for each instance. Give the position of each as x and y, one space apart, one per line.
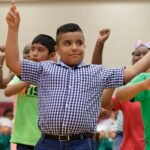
74 54
35 60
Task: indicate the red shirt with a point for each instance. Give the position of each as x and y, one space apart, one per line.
133 128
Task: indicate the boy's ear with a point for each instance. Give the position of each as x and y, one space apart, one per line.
57 49
53 56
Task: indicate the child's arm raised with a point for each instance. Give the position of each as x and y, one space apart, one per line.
130 91
97 55
12 51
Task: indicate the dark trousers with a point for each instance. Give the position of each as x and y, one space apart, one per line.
24 147
47 144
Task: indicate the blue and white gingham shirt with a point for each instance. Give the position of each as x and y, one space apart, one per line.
69 98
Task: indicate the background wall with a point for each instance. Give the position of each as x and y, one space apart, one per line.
128 20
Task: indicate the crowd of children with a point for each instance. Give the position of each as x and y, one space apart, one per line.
58 102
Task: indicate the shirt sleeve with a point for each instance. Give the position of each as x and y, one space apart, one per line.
113 77
142 95
14 80
31 71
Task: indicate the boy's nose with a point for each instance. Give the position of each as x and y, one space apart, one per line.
35 53
74 47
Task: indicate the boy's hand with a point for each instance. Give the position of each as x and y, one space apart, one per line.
103 36
13 18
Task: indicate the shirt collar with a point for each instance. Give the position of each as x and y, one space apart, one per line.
66 66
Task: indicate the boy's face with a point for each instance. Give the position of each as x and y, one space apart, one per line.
71 48
40 53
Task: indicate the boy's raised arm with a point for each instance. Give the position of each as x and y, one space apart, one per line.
97 55
12 51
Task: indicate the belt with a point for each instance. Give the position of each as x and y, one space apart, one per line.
68 137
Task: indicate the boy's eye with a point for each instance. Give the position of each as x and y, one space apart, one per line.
67 43
79 43
40 49
32 48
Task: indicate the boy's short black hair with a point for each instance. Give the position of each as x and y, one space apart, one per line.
69 27
46 41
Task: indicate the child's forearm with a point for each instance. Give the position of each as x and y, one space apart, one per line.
129 92
12 52
106 98
15 88
97 55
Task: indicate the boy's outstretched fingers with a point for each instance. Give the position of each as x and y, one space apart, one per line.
13 2
13 18
13 8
